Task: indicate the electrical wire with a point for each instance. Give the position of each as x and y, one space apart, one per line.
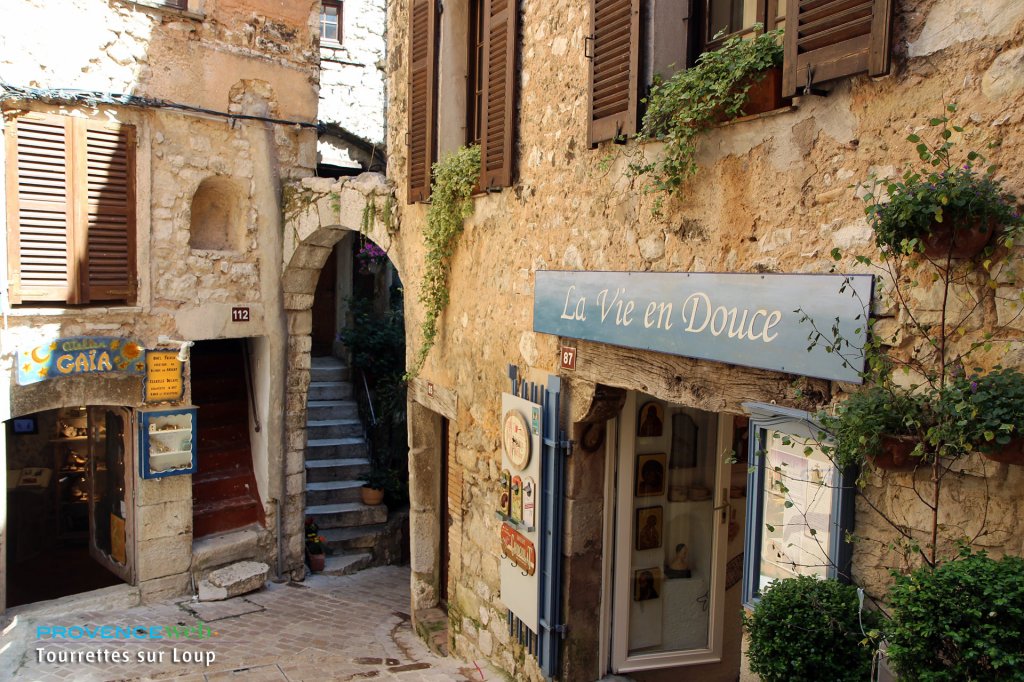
94 98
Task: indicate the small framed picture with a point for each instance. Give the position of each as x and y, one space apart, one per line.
650 475
646 584
648 528
24 425
649 422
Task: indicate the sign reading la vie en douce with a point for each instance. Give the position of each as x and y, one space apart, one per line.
755 320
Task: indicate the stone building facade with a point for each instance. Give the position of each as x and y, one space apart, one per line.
186 116
773 196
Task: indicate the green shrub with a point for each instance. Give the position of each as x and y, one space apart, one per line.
808 629
961 621
862 420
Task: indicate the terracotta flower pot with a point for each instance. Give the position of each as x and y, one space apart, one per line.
895 454
958 239
372 496
1011 453
764 95
317 562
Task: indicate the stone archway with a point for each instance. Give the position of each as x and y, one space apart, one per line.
318 212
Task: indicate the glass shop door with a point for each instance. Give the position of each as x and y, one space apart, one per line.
671 522
111 530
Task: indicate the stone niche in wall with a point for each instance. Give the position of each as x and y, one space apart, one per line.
218 216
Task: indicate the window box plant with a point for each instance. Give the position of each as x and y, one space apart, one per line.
944 209
693 100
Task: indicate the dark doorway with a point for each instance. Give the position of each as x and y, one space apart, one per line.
224 492
325 306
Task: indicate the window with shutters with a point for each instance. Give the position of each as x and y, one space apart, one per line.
633 41
462 88
71 210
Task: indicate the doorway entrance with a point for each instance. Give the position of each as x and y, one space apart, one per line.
69 499
676 523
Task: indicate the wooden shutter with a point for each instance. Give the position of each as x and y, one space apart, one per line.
40 240
422 96
496 139
614 66
71 210
835 38
107 208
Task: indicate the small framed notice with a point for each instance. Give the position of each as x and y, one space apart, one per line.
164 380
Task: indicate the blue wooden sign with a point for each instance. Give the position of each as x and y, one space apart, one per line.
755 320
80 355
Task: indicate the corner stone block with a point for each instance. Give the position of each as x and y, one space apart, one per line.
295 301
300 322
167 489
165 588
164 557
165 520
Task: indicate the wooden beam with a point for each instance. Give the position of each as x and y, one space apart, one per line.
434 397
712 386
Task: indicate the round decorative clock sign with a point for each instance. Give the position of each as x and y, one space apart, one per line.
515 437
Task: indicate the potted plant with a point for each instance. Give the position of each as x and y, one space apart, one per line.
947 208
693 100
372 491
884 425
371 258
806 628
986 414
316 547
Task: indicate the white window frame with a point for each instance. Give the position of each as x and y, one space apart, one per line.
764 418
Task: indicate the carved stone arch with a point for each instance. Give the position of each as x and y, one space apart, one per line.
318 212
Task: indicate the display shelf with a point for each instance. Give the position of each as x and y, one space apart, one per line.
167 441
518 525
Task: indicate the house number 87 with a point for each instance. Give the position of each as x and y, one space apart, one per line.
568 357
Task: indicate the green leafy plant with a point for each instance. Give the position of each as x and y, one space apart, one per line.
805 629
315 543
960 192
692 100
860 423
962 620
984 412
451 202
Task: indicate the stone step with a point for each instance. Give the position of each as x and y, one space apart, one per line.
332 409
323 429
336 448
328 368
215 551
231 581
346 514
329 390
355 537
346 564
333 492
338 469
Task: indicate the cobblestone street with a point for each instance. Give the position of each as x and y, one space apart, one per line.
328 628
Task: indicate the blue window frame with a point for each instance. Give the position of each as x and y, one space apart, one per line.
799 506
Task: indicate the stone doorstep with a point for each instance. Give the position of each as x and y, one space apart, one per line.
216 551
233 580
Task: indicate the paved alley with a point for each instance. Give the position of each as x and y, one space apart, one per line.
353 627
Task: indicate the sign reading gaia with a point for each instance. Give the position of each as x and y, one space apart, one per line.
755 320
80 355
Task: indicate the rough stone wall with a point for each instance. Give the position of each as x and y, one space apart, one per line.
772 194
256 57
352 73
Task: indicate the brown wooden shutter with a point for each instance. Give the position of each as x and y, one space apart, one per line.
835 38
39 209
614 66
496 139
422 96
107 207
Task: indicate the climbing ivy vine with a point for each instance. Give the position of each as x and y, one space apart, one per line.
451 202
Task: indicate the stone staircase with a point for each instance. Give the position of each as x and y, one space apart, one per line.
336 463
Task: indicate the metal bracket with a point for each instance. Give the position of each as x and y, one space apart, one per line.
809 89
562 629
588 41
566 446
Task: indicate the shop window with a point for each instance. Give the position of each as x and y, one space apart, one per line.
330 21
800 506
177 4
71 198
468 55
632 40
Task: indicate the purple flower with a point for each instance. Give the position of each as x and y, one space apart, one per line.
974 387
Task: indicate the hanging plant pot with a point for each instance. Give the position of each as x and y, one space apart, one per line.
1011 453
958 239
372 496
896 454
